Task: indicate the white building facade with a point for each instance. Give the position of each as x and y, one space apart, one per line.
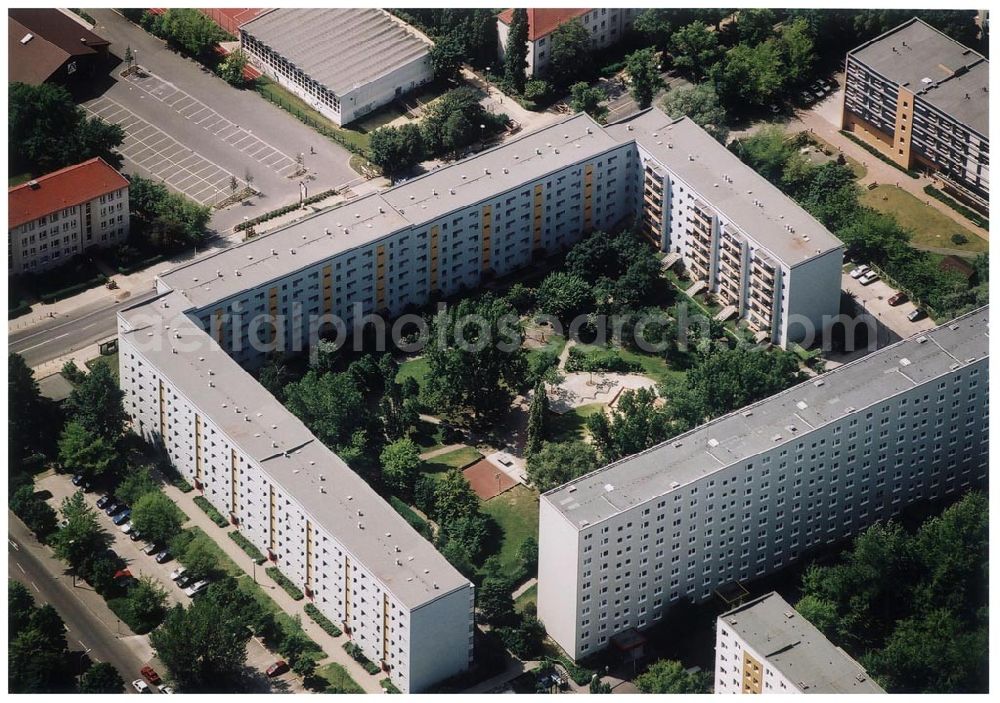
765 646
754 491
344 62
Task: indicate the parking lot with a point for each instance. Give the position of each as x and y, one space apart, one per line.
874 298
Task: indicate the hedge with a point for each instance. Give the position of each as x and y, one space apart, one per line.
283 210
282 580
388 686
877 154
210 510
416 522
66 292
967 212
357 655
599 360
126 269
323 621
22 308
247 546
182 485
260 86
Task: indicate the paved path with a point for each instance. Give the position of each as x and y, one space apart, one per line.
524 587
333 646
442 450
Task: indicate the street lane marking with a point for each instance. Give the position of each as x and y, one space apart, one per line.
20 567
34 586
14 545
40 344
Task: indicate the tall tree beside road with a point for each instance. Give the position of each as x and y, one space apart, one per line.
695 49
700 103
188 29
584 98
37 656
476 362
101 677
799 51
166 220
26 415
47 131
643 70
537 418
755 25
157 518
97 404
82 537
83 451
515 60
570 54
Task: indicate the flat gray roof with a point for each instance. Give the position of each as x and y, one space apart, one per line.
341 48
936 67
335 498
703 163
743 434
792 645
372 217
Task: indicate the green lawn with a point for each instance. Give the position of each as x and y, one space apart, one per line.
457 459
111 361
572 426
930 228
655 367
529 596
276 93
414 368
18 179
338 679
516 512
856 166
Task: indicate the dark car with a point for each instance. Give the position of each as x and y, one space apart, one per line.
277 668
122 517
185 580
917 314
898 299
135 535
113 506
163 556
103 501
81 481
151 549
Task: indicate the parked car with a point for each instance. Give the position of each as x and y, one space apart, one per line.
177 573
103 501
127 528
868 278
151 675
898 299
122 517
277 668
196 588
81 481
166 689
163 556
185 580
151 548
113 507
141 686
806 97
917 314
135 535
860 271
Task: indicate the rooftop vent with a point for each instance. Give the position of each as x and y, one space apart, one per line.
904 362
819 382
506 170
921 339
789 614
486 171
218 272
713 442
802 405
675 484
238 272
27 38
451 191
628 127
608 487
747 413
776 438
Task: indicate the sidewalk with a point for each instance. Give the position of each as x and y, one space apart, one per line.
332 646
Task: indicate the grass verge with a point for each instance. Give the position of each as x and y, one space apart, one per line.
337 679
930 227
283 581
247 546
516 512
210 510
357 655
457 459
323 621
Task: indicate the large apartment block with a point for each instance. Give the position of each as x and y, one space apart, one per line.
765 646
922 99
765 259
345 62
754 491
60 215
183 357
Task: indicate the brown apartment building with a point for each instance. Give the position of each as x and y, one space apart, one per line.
922 99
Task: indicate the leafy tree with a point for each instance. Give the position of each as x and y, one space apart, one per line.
515 60
101 677
82 450
537 415
446 58
695 49
191 30
26 426
37 515
755 25
526 638
643 69
275 375
454 498
157 518
669 676
700 103
799 50
598 687
493 599
146 600
329 404
73 373
729 379
564 295
232 68
400 465
396 150
136 484
584 98
452 122
558 462
767 152
199 557
305 666
458 556
82 537
570 54
656 25
36 652
20 605
751 74
476 362
472 531
165 220
96 404
527 556
47 131
635 425
537 90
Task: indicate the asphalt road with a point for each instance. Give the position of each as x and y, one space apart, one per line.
190 105
87 633
69 332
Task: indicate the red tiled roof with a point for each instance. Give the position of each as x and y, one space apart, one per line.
544 21
60 189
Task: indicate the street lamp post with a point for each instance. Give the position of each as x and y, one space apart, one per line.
488 70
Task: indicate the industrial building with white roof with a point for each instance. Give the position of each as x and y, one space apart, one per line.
184 355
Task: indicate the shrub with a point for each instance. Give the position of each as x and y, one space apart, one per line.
182 485
959 239
283 581
247 546
599 360
210 510
324 622
283 210
357 655
388 686
877 154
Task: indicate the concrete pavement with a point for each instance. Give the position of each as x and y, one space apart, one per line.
92 630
